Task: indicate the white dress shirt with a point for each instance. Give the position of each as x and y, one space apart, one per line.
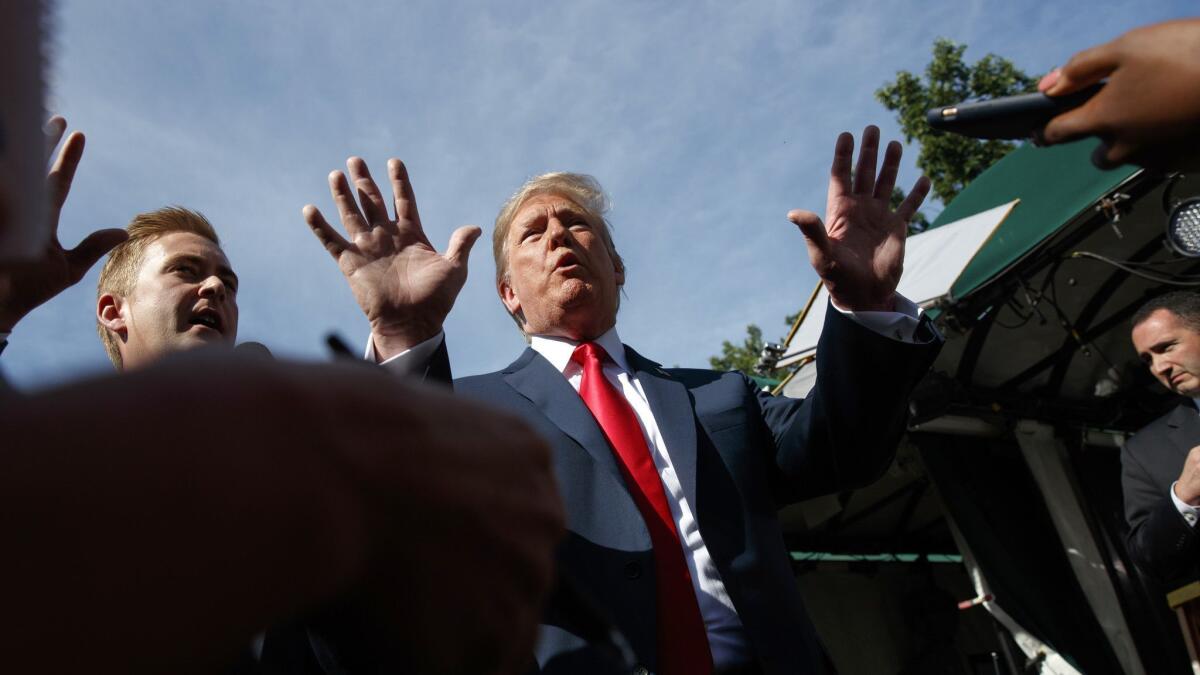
726 638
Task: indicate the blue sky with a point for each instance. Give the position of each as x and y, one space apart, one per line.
706 122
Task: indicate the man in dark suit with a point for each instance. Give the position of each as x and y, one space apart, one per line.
1160 465
671 477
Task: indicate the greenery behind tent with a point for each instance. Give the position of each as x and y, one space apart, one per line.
951 161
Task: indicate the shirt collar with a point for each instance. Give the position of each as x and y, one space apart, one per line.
558 350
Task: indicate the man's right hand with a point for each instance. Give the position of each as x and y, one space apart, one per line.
404 286
1187 488
27 285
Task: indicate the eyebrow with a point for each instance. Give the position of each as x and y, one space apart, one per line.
566 207
222 270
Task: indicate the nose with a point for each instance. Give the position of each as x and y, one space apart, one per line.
556 232
213 287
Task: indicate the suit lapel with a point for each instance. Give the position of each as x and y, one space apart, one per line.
675 415
1185 427
535 379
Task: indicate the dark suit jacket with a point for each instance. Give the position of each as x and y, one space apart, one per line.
1160 541
740 454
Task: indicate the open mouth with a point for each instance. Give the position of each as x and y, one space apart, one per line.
208 318
567 260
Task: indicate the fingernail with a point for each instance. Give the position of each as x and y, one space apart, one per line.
1049 80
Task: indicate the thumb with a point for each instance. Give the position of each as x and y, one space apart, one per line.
814 233
92 248
461 242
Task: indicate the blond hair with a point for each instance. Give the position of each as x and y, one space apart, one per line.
580 188
120 271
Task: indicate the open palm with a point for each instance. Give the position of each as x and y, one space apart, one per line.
404 286
27 285
858 251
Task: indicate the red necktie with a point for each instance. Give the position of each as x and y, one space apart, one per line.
682 642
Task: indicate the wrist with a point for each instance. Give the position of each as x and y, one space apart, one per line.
1186 496
391 339
887 304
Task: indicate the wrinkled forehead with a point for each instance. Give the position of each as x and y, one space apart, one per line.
543 204
184 245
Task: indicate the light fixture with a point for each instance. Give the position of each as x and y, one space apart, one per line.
1183 228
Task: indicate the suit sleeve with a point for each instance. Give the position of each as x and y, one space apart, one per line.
844 433
1160 541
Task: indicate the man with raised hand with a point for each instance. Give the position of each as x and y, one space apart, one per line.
1160 464
671 477
156 520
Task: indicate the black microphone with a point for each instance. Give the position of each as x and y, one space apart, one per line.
254 350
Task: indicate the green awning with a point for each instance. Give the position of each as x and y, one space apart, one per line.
1054 185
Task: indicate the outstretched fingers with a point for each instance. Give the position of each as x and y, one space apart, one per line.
58 181
868 155
887 173
839 172
913 201
373 206
405 201
329 237
343 198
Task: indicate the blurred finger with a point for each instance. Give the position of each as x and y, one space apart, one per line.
868 156
913 201
93 247
343 198
329 237
369 195
55 127
1078 123
1087 67
887 174
839 173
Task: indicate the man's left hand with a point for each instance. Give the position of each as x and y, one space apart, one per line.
859 250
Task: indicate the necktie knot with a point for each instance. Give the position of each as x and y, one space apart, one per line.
589 352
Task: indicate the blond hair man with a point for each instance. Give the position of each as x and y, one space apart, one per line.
169 287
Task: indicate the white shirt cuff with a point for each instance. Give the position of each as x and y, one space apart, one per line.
410 361
1190 513
900 324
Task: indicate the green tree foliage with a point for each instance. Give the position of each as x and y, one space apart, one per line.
951 161
744 356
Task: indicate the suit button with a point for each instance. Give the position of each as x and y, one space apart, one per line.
640 670
633 571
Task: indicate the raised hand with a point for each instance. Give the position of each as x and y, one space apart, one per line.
404 286
859 250
1149 111
27 285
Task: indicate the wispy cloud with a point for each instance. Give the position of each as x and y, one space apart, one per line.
707 121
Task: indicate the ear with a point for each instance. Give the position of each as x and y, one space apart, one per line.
509 297
619 270
110 313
